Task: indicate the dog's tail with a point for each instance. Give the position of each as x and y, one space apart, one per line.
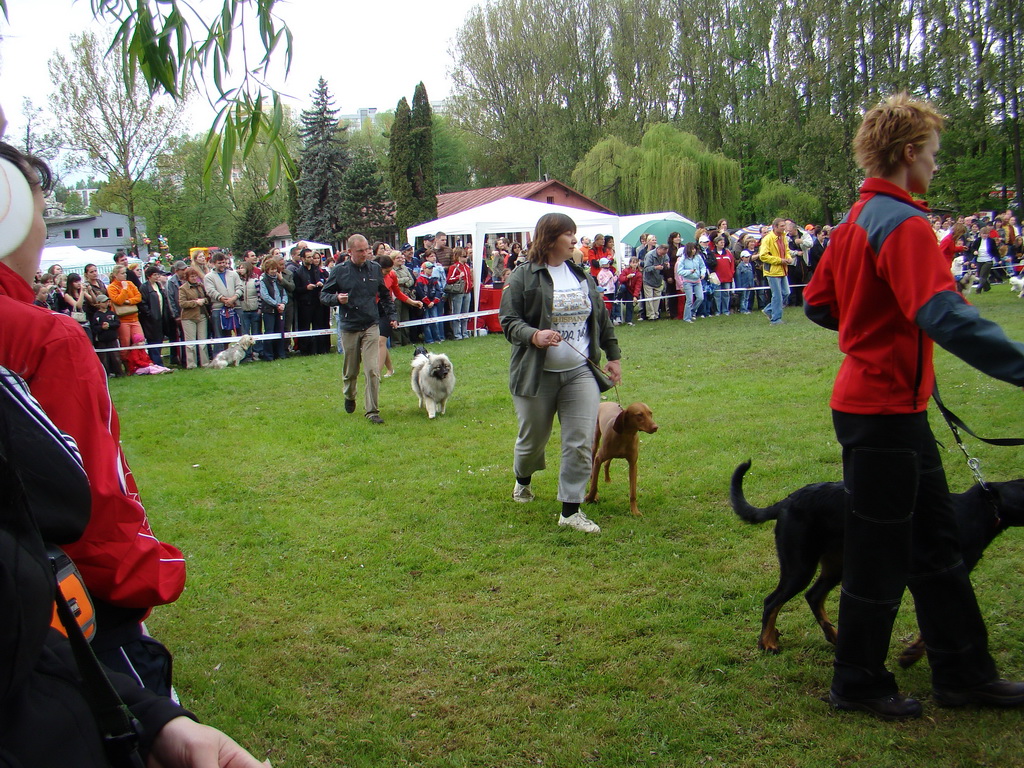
747 512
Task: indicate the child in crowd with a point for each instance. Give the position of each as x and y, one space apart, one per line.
105 324
606 282
138 362
745 279
630 284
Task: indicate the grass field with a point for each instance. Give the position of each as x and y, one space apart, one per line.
371 596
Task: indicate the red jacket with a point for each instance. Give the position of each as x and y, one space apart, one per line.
950 248
457 270
882 265
122 562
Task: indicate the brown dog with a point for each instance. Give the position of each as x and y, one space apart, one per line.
619 428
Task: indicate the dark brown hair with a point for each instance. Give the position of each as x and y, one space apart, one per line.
550 227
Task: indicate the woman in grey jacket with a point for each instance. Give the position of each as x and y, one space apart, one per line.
554 315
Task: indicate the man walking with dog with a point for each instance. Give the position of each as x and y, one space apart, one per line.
356 287
884 285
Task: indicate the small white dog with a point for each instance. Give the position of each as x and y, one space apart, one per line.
1017 284
433 380
232 355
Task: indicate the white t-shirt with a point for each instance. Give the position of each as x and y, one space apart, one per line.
569 315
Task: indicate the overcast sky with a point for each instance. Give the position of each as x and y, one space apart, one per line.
371 53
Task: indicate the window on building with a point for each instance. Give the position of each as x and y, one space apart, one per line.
120 231
98 233
71 234
551 200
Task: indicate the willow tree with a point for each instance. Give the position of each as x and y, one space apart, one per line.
607 174
670 171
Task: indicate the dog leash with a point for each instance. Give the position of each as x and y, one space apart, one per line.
597 368
955 424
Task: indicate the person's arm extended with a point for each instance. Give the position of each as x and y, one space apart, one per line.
959 328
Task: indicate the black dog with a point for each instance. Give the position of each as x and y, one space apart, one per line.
809 531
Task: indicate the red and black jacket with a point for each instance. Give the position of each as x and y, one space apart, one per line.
885 286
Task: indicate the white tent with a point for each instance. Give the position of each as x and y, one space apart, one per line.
72 258
511 214
55 254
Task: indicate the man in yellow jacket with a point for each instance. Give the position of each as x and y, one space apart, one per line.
774 254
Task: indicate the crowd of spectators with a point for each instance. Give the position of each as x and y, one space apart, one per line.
719 272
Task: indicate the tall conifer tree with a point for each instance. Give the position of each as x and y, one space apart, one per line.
424 187
364 208
400 161
322 164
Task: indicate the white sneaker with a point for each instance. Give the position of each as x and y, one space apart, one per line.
522 493
580 522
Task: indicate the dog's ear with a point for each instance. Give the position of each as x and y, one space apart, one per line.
620 422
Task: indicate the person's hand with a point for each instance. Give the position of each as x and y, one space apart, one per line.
280 307
614 371
547 338
394 323
184 743
343 298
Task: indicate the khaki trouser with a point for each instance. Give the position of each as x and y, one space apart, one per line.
653 307
362 347
193 330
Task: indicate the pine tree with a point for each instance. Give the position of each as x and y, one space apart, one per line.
364 208
322 164
400 162
424 188
252 229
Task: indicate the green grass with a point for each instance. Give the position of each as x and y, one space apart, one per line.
371 596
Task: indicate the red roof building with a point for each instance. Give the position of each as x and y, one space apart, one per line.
552 192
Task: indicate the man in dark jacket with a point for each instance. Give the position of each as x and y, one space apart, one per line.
356 287
155 314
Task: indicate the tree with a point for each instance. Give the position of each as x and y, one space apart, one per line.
364 207
179 205
156 40
400 166
103 112
322 164
421 145
452 167
252 229
670 171
37 140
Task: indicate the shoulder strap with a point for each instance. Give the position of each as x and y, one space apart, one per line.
118 728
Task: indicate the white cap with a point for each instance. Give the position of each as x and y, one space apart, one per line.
17 207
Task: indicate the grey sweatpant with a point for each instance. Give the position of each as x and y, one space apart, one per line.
574 396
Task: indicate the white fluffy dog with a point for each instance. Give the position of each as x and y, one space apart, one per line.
433 380
1017 284
232 355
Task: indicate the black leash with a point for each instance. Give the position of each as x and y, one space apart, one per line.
955 424
600 374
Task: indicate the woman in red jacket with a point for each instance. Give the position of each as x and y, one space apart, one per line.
387 268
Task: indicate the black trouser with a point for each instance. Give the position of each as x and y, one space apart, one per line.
984 269
304 322
901 532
